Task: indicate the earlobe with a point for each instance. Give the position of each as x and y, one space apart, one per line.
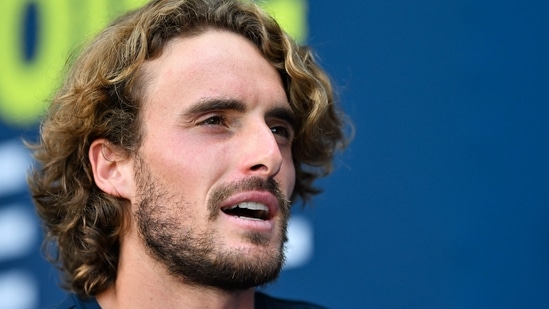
112 171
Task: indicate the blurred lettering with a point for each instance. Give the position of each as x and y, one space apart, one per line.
32 63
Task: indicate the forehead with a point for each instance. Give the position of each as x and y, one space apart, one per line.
214 63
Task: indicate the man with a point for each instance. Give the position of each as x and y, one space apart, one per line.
169 157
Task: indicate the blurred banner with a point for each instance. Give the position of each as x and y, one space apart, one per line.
39 36
37 39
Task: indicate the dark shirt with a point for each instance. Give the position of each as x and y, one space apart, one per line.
262 301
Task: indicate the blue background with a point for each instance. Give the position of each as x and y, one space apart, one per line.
442 199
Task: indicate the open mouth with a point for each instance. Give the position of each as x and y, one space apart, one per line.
248 210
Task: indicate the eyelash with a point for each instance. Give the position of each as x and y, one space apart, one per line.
219 120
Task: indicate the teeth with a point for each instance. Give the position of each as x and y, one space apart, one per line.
248 210
251 206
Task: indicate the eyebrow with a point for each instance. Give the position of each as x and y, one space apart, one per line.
283 113
214 104
218 104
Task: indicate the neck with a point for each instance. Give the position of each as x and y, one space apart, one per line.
144 283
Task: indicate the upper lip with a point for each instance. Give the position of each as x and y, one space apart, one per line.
263 197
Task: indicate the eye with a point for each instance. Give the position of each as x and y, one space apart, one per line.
282 131
214 120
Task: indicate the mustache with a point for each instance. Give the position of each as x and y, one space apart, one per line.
224 191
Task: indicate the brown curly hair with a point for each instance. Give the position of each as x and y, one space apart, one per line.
101 98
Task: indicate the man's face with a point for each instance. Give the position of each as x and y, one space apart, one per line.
215 168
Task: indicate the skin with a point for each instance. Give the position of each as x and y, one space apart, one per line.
190 148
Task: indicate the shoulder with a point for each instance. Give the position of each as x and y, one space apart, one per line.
72 301
263 301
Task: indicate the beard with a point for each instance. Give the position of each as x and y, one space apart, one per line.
196 256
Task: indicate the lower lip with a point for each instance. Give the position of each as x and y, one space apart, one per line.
250 224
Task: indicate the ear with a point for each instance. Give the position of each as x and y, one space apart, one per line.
112 169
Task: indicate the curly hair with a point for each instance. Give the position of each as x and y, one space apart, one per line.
101 98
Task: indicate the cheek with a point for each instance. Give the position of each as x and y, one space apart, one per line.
288 175
185 170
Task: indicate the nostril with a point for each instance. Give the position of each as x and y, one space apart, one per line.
259 167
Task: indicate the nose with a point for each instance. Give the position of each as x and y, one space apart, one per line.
261 152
